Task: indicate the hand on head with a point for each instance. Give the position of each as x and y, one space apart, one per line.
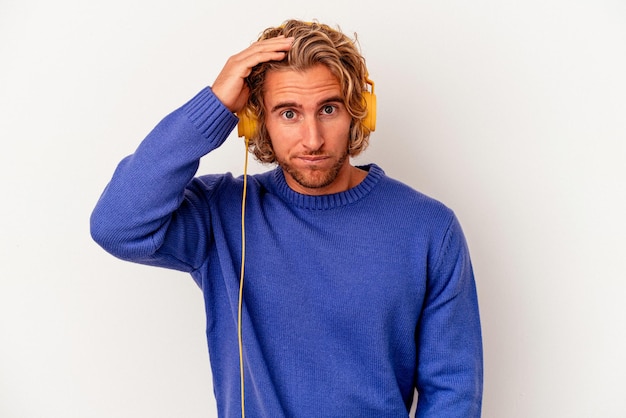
230 86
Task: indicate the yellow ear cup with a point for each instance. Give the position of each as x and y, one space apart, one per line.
370 104
369 98
247 125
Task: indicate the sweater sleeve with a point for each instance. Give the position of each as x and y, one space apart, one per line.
450 360
147 198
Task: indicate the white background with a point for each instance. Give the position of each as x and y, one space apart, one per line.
513 113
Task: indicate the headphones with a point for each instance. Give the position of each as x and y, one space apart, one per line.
247 125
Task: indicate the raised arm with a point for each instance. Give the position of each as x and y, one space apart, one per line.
148 198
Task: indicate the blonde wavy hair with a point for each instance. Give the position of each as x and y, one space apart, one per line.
314 43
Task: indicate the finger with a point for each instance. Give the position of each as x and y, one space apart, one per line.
274 49
230 82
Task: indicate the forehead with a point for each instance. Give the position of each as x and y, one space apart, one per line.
312 83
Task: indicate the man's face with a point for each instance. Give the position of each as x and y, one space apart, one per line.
309 127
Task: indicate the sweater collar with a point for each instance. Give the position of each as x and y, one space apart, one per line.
328 201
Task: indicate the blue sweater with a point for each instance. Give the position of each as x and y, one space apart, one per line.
352 300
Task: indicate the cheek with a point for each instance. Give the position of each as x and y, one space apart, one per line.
274 129
343 130
278 138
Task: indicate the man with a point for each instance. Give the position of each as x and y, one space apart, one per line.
358 289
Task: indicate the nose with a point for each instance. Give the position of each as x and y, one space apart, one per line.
312 138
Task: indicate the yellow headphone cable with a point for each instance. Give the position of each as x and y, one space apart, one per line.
243 259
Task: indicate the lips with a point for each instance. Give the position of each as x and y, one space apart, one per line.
313 163
313 158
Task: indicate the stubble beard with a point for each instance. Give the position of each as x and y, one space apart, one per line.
314 178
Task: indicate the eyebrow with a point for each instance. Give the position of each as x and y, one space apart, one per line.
283 105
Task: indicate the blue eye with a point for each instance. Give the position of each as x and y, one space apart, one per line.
328 109
289 114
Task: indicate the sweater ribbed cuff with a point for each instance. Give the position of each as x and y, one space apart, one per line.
214 121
